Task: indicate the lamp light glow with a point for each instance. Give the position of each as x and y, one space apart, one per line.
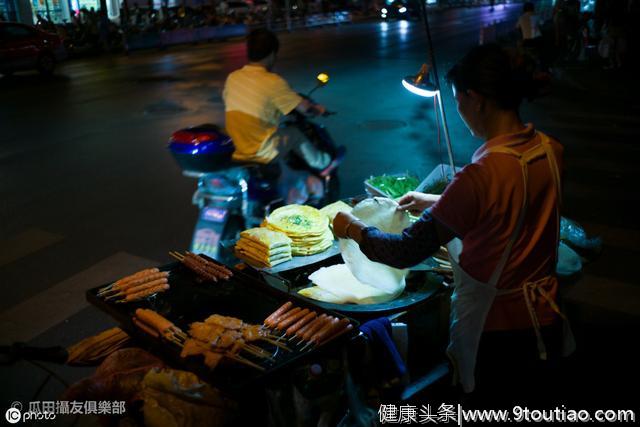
323 78
420 83
402 9
427 93
384 10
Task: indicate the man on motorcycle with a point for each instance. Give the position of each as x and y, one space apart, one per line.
256 99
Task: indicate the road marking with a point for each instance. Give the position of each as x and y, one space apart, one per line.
605 293
26 243
30 318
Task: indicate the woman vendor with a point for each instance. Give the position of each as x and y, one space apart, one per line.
499 217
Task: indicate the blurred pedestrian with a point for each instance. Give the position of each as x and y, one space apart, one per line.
528 24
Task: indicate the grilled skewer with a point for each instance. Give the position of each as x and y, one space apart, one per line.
127 281
203 267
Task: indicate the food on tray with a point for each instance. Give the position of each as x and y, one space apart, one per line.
224 321
393 186
338 285
267 238
263 247
329 330
95 348
360 280
332 209
206 269
305 325
157 326
306 226
224 336
280 311
136 286
302 321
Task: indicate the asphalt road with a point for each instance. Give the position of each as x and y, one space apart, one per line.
88 191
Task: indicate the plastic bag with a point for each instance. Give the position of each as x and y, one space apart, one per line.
574 235
569 262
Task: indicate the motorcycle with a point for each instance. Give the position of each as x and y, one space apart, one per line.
233 196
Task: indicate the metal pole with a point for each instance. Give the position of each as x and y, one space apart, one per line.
434 67
446 132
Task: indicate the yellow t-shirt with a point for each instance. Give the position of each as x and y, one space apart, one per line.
255 99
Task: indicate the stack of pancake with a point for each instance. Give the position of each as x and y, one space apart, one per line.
332 210
307 228
262 247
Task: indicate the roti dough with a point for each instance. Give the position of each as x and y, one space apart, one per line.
360 280
382 213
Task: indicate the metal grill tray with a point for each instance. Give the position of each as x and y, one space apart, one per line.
420 287
189 301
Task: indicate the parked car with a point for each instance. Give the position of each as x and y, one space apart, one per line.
24 47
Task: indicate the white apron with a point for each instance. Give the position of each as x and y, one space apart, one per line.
472 299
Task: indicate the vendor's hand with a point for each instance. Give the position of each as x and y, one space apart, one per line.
340 224
416 202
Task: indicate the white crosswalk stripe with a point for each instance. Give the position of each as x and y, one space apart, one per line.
34 316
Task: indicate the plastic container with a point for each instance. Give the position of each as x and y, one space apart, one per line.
374 191
201 149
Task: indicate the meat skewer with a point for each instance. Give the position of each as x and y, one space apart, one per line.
300 332
306 336
290 320
329 331
300 323
144 293
163 327
212 266
195 267
269 321
135 282
207 269
125 280
138 288
285 316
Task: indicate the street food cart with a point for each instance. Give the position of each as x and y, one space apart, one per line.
239 304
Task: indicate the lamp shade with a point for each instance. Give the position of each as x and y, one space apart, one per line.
420 83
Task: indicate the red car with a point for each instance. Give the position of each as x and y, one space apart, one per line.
24 47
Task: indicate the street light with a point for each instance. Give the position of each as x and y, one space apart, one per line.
421 85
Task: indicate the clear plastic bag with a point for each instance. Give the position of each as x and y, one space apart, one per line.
575 247
574 235
569 262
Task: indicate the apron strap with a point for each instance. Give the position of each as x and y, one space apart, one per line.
531 290
555 173
542 150
497 272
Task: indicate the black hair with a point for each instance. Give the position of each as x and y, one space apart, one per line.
493 72
261 43
528 7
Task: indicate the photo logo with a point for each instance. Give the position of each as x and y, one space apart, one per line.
14 413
